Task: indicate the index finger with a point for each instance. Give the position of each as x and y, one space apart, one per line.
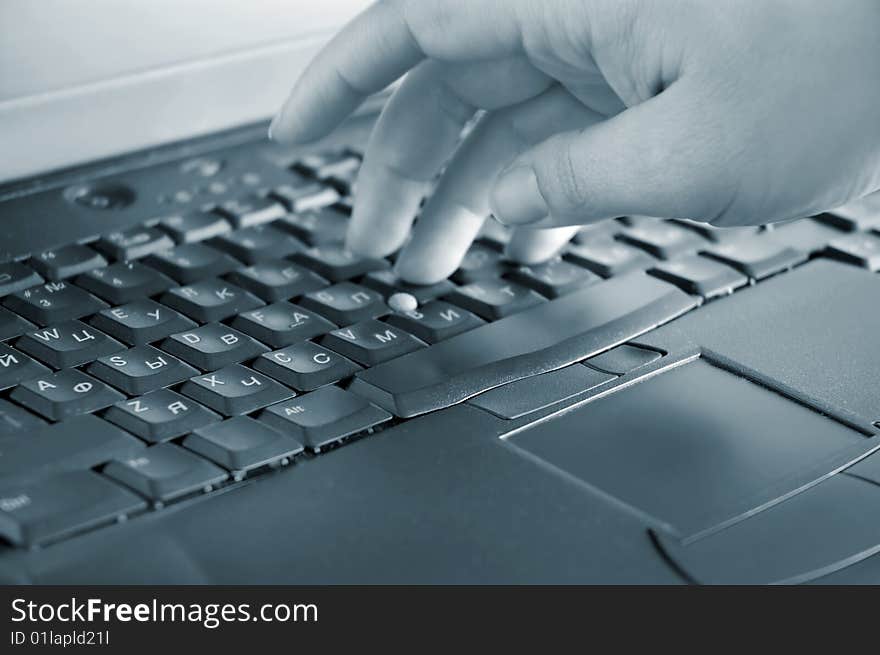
380 45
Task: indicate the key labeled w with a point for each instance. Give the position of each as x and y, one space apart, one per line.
48 335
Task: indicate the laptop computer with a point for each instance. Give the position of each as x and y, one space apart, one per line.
198 385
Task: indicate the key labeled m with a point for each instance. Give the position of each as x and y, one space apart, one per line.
385 337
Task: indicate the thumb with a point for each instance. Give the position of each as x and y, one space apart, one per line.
667 157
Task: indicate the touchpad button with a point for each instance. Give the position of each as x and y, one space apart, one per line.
694 447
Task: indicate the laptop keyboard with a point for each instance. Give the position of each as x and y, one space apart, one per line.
176 358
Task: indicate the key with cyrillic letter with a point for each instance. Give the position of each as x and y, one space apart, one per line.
546 337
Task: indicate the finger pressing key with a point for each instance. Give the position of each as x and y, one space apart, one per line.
417 133
380 45
455 212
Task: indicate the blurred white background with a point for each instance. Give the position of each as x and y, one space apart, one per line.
83 79
47 45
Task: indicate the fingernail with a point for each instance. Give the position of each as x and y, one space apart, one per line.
414 271
516 198
273 126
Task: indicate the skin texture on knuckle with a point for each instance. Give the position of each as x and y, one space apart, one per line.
561 176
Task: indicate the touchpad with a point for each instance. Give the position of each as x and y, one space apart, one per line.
694 447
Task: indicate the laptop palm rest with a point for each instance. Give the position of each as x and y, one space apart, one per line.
696 447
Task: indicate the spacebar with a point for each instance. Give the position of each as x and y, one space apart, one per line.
546 337
76 444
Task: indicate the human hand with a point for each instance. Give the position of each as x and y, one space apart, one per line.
733 112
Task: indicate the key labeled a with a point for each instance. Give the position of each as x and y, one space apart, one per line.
65 394
282 323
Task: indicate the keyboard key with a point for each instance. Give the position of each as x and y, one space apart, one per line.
78 443
141 322
323 417
68 344
16 421
859 249
479 263
38 513
124 282
806 234
281 324
195 226
493 299
371 342
191 262
277 279
16 367
608 227
326 164
716 234
12 325
517 399
213 346
387 283
758 256
302 195
435 321
345 205
623 359
251 210
134 243
317 228
336 263
305 366
15 276
660 238
165 472
64 394
53 303
67 261
860 215
700 275
345 303
160 415
140 370
543 338
554 278
344 181
608 257
254 244
340 169
495 234
235 390
242 444
210 300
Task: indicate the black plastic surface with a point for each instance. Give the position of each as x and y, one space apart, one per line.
824 529
811 332
532 394
439 499
442 499
694 447
540 339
